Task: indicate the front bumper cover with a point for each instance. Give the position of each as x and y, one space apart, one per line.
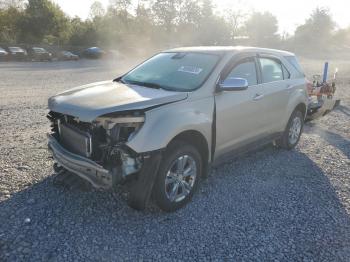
87 169
102 178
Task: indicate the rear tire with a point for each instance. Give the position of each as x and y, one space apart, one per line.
293 131
178 176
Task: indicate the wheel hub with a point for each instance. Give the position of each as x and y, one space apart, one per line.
180 178
294 130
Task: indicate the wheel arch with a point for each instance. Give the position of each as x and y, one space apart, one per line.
299 106
198 140
302 107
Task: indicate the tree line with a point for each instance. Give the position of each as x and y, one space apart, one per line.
161 24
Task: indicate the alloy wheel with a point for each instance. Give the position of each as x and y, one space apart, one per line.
294 130
180 178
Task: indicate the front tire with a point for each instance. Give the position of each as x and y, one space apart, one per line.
292 133
178 176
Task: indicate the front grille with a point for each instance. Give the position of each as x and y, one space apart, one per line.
75 140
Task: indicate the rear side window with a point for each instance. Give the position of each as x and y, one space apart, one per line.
271 70
295 63
245 69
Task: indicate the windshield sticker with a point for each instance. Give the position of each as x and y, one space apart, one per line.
190 69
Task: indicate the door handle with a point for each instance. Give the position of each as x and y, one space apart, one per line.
258 97
289 86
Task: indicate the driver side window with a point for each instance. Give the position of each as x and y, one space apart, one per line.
246 70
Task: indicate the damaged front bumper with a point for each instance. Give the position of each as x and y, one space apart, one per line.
87 169
102 178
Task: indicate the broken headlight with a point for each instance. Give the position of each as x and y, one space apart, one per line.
121 128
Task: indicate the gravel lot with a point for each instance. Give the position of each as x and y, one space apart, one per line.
267 205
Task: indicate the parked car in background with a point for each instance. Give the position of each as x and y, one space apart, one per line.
3 54
39 54
160 125
93 52
17 53
67 55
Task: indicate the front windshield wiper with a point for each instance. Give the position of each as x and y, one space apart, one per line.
119 79
146 84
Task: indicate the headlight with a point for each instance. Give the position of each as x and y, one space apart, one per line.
120 129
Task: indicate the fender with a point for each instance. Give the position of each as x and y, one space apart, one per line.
297 96
166 122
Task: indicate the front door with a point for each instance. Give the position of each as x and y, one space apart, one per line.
239 114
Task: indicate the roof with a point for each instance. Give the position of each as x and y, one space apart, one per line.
225 49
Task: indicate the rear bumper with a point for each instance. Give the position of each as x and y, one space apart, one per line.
320 108
87 169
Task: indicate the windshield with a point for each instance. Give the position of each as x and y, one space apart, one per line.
173 71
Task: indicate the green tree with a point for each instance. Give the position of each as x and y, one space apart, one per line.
165 12
235 17
83 33
120 6
213 29
342 38
9 23
189 13
97 10
207 8
188 22
316 33
143 22
261 28
43 19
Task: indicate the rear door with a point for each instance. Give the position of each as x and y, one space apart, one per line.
239 114
275 88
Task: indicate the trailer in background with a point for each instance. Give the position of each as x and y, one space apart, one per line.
321 95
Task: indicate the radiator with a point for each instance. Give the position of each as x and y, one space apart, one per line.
75 140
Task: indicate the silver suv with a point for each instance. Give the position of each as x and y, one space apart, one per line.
158 127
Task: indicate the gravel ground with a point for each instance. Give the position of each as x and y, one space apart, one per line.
267 205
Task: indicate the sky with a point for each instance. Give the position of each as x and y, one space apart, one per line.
290 13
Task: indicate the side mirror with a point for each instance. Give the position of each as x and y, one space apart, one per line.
233 84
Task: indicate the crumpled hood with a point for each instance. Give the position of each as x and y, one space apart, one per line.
91 101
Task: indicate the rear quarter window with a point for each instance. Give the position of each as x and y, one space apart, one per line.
293 61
